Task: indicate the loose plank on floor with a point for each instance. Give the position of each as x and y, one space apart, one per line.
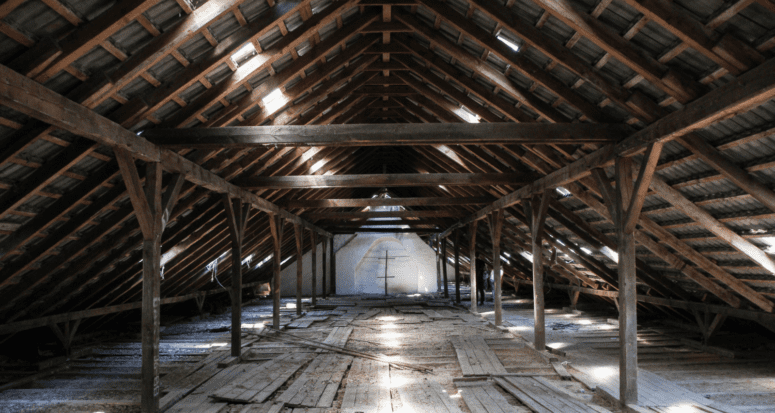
476 357
257 382
485 398
317 385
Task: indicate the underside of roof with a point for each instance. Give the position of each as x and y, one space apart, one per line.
70 241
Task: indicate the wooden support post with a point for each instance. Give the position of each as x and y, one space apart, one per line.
444 266
574 299
496 227
237 214
535 212
299 235
152 211
325 269
472 276
457 266
333 267
438 264
66 337
276 228
628 203
314 268
200 303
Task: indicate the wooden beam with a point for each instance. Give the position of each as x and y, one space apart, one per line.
276 228
237 215
670 81
628 321
739 176
78 42
645 108
496 229
457 266
442 213
147 202
534 72
535 213
759 316
50 107
374 202
314 268
683 25
395 135
701 216
299 237
634 205
332 254
379 180
749 90
323 282
444 265
472 265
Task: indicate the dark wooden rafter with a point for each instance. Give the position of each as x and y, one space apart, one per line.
57 110
670 81
530 70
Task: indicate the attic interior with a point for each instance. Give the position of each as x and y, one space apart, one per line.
161 160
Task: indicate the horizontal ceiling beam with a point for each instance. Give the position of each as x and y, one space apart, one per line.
380 180
33 99
386 231
439 213
375 202
393 135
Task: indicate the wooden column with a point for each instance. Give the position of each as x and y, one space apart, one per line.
628 202
237 218
276 228
333 267
299 234
444 266
496 228
438 265
314 238
535 212
152 211
472 248
457 266
325 269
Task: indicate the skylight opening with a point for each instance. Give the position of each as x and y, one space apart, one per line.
243 53
466 115
610 254
586 250
316 167
274 101
770 241
512 45
564 192
265 260
528 256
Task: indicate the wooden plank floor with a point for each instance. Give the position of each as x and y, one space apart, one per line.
476 357
288 377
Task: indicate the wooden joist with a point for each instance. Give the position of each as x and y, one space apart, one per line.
374 202
380 180
364 135
33 99
749 90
